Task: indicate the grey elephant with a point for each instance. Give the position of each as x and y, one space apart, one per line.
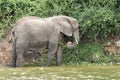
34 33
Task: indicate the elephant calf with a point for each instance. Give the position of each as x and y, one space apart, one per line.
35 33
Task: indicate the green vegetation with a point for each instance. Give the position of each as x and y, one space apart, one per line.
84 52
98 19
80 72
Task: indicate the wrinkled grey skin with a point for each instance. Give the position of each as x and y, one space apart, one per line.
35 33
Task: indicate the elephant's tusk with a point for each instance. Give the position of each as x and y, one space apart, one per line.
76 41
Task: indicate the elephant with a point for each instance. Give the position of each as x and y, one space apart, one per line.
33 32
32 55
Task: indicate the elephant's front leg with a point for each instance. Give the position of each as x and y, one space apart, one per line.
51 53
59 55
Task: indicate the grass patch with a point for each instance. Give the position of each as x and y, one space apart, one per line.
73 72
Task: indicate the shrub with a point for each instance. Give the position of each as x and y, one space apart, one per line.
98 23
84 52
97 19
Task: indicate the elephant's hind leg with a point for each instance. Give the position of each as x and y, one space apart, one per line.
20 58
20 50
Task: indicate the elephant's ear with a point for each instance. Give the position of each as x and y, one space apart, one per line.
63 25
74 23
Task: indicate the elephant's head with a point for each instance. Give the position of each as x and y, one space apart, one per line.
69 27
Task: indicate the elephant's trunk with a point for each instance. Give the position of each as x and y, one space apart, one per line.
71 45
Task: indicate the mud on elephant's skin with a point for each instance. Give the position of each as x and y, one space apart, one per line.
35 33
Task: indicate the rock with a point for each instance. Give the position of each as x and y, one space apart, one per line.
117 43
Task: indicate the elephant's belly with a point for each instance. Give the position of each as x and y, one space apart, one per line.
38 45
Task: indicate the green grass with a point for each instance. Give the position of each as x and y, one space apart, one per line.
79 72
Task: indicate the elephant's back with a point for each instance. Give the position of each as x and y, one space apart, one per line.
36 31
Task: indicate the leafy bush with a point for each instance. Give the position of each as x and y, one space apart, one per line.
98 23
84 52
97 19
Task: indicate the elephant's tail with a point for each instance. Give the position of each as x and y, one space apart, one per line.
14 54
13 39
12 36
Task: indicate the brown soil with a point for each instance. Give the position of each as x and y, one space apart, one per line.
5 50
112 49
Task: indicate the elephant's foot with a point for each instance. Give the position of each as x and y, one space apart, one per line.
47 65
10 65
13 65
59 64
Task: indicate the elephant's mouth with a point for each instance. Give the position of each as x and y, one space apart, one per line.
67 38
70 42
70 39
